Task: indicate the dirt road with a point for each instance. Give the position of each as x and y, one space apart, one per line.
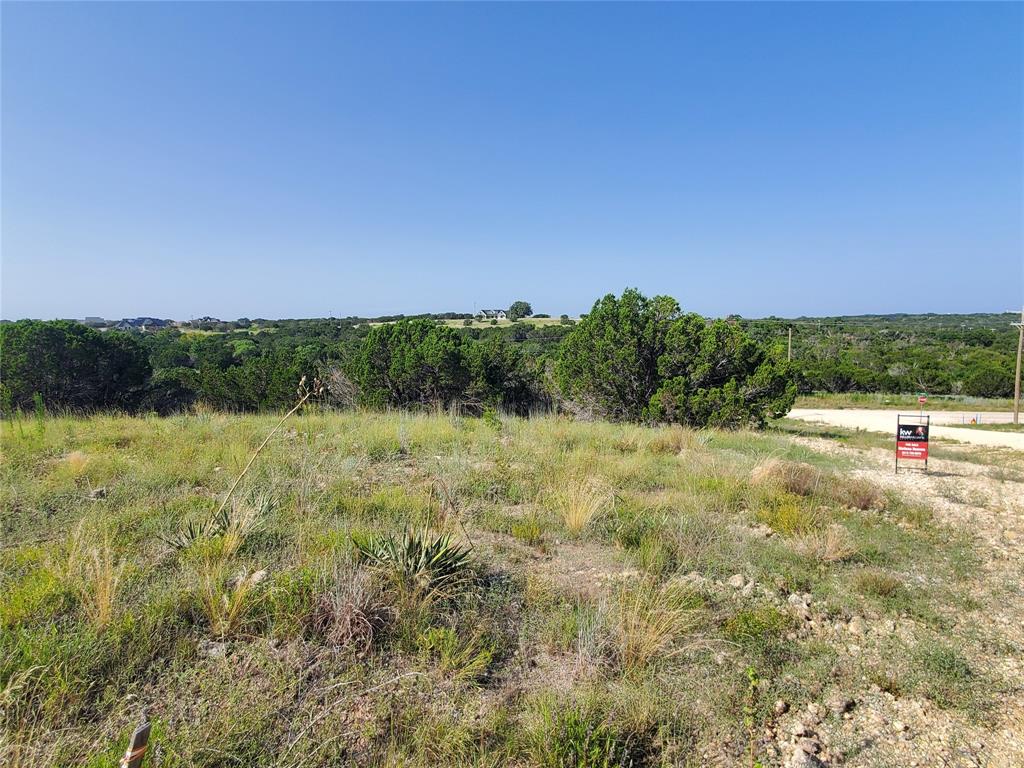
942 421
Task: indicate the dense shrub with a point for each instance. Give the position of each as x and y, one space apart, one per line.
637 359
70 366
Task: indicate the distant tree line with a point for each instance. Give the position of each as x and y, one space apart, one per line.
942 354
630 358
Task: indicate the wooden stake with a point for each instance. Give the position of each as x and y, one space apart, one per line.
136 751
1016 380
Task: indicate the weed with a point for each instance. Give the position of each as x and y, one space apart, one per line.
226 600
529 529
874 582
785 514
833 545
755 625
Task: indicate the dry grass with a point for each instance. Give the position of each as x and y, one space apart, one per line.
225 600
833 545
76 462
92 572
350 611
579 501
650 622
790 476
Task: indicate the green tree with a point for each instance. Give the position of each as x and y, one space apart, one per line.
634 358
411 362
519 310
608 363
715 375
502 377
71 365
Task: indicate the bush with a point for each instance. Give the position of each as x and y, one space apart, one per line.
70 366
637 359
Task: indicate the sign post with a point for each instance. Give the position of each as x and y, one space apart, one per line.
912 438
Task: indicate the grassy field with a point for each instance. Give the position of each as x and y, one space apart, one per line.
407 590
906 402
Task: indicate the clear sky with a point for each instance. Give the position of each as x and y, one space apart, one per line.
299 160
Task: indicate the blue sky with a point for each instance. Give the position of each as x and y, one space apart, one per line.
298 160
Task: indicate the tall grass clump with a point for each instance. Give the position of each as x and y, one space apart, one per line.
350 609
579 501
577 736
790 476
650 622
93 573
225 598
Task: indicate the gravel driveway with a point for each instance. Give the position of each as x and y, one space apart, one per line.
942 421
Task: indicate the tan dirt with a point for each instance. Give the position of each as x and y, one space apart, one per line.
943 424
883 729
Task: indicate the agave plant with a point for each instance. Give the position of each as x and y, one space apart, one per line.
426 563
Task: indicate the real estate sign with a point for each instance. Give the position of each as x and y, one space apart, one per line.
912 441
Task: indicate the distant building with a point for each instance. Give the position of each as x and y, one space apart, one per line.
491 314
94 321
142 324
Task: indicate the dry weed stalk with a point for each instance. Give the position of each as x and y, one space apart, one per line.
304 394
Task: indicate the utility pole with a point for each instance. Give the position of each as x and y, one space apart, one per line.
1016 380
789 345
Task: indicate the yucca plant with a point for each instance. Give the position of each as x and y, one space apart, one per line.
427 564
234 523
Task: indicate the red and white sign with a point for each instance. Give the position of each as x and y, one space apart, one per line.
912 441
911 450
922 399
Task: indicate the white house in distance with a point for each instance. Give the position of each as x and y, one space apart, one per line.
490 314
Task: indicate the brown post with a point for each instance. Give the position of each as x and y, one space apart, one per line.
136 747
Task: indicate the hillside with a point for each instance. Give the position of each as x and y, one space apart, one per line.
599 595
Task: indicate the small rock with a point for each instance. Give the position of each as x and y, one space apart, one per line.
810 746
799 729
801 759
795 599
781 707
736 581
748 589
840 705
212 649
810 720
98 493
899 726
856 626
